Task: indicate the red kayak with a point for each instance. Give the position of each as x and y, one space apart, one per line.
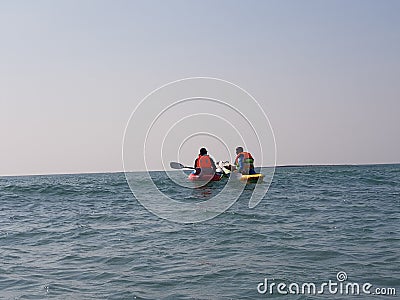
215 177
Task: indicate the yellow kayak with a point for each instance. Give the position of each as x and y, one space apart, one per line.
254 178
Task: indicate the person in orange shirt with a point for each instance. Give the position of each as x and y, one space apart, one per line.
244 162
204 164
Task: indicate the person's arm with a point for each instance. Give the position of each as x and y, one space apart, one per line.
240 163
213 164
197 170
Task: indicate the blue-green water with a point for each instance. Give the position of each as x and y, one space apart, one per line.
86 237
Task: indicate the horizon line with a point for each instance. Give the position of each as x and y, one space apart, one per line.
277 166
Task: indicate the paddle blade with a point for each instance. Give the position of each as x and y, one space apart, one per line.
176 165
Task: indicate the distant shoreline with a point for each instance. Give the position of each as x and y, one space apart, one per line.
278 166
339 165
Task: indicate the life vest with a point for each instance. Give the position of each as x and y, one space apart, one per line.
248 161
204 162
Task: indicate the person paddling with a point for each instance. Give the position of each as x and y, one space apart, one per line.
244 162
204 164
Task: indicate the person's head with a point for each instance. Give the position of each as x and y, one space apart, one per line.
239 150
203 151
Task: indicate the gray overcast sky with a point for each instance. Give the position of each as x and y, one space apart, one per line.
71 72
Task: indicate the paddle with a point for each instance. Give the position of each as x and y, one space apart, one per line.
179 166
224 169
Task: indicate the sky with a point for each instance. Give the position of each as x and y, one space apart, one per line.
326 73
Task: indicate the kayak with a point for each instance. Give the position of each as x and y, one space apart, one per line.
215 177
253 178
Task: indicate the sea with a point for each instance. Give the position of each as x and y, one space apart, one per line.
85 236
